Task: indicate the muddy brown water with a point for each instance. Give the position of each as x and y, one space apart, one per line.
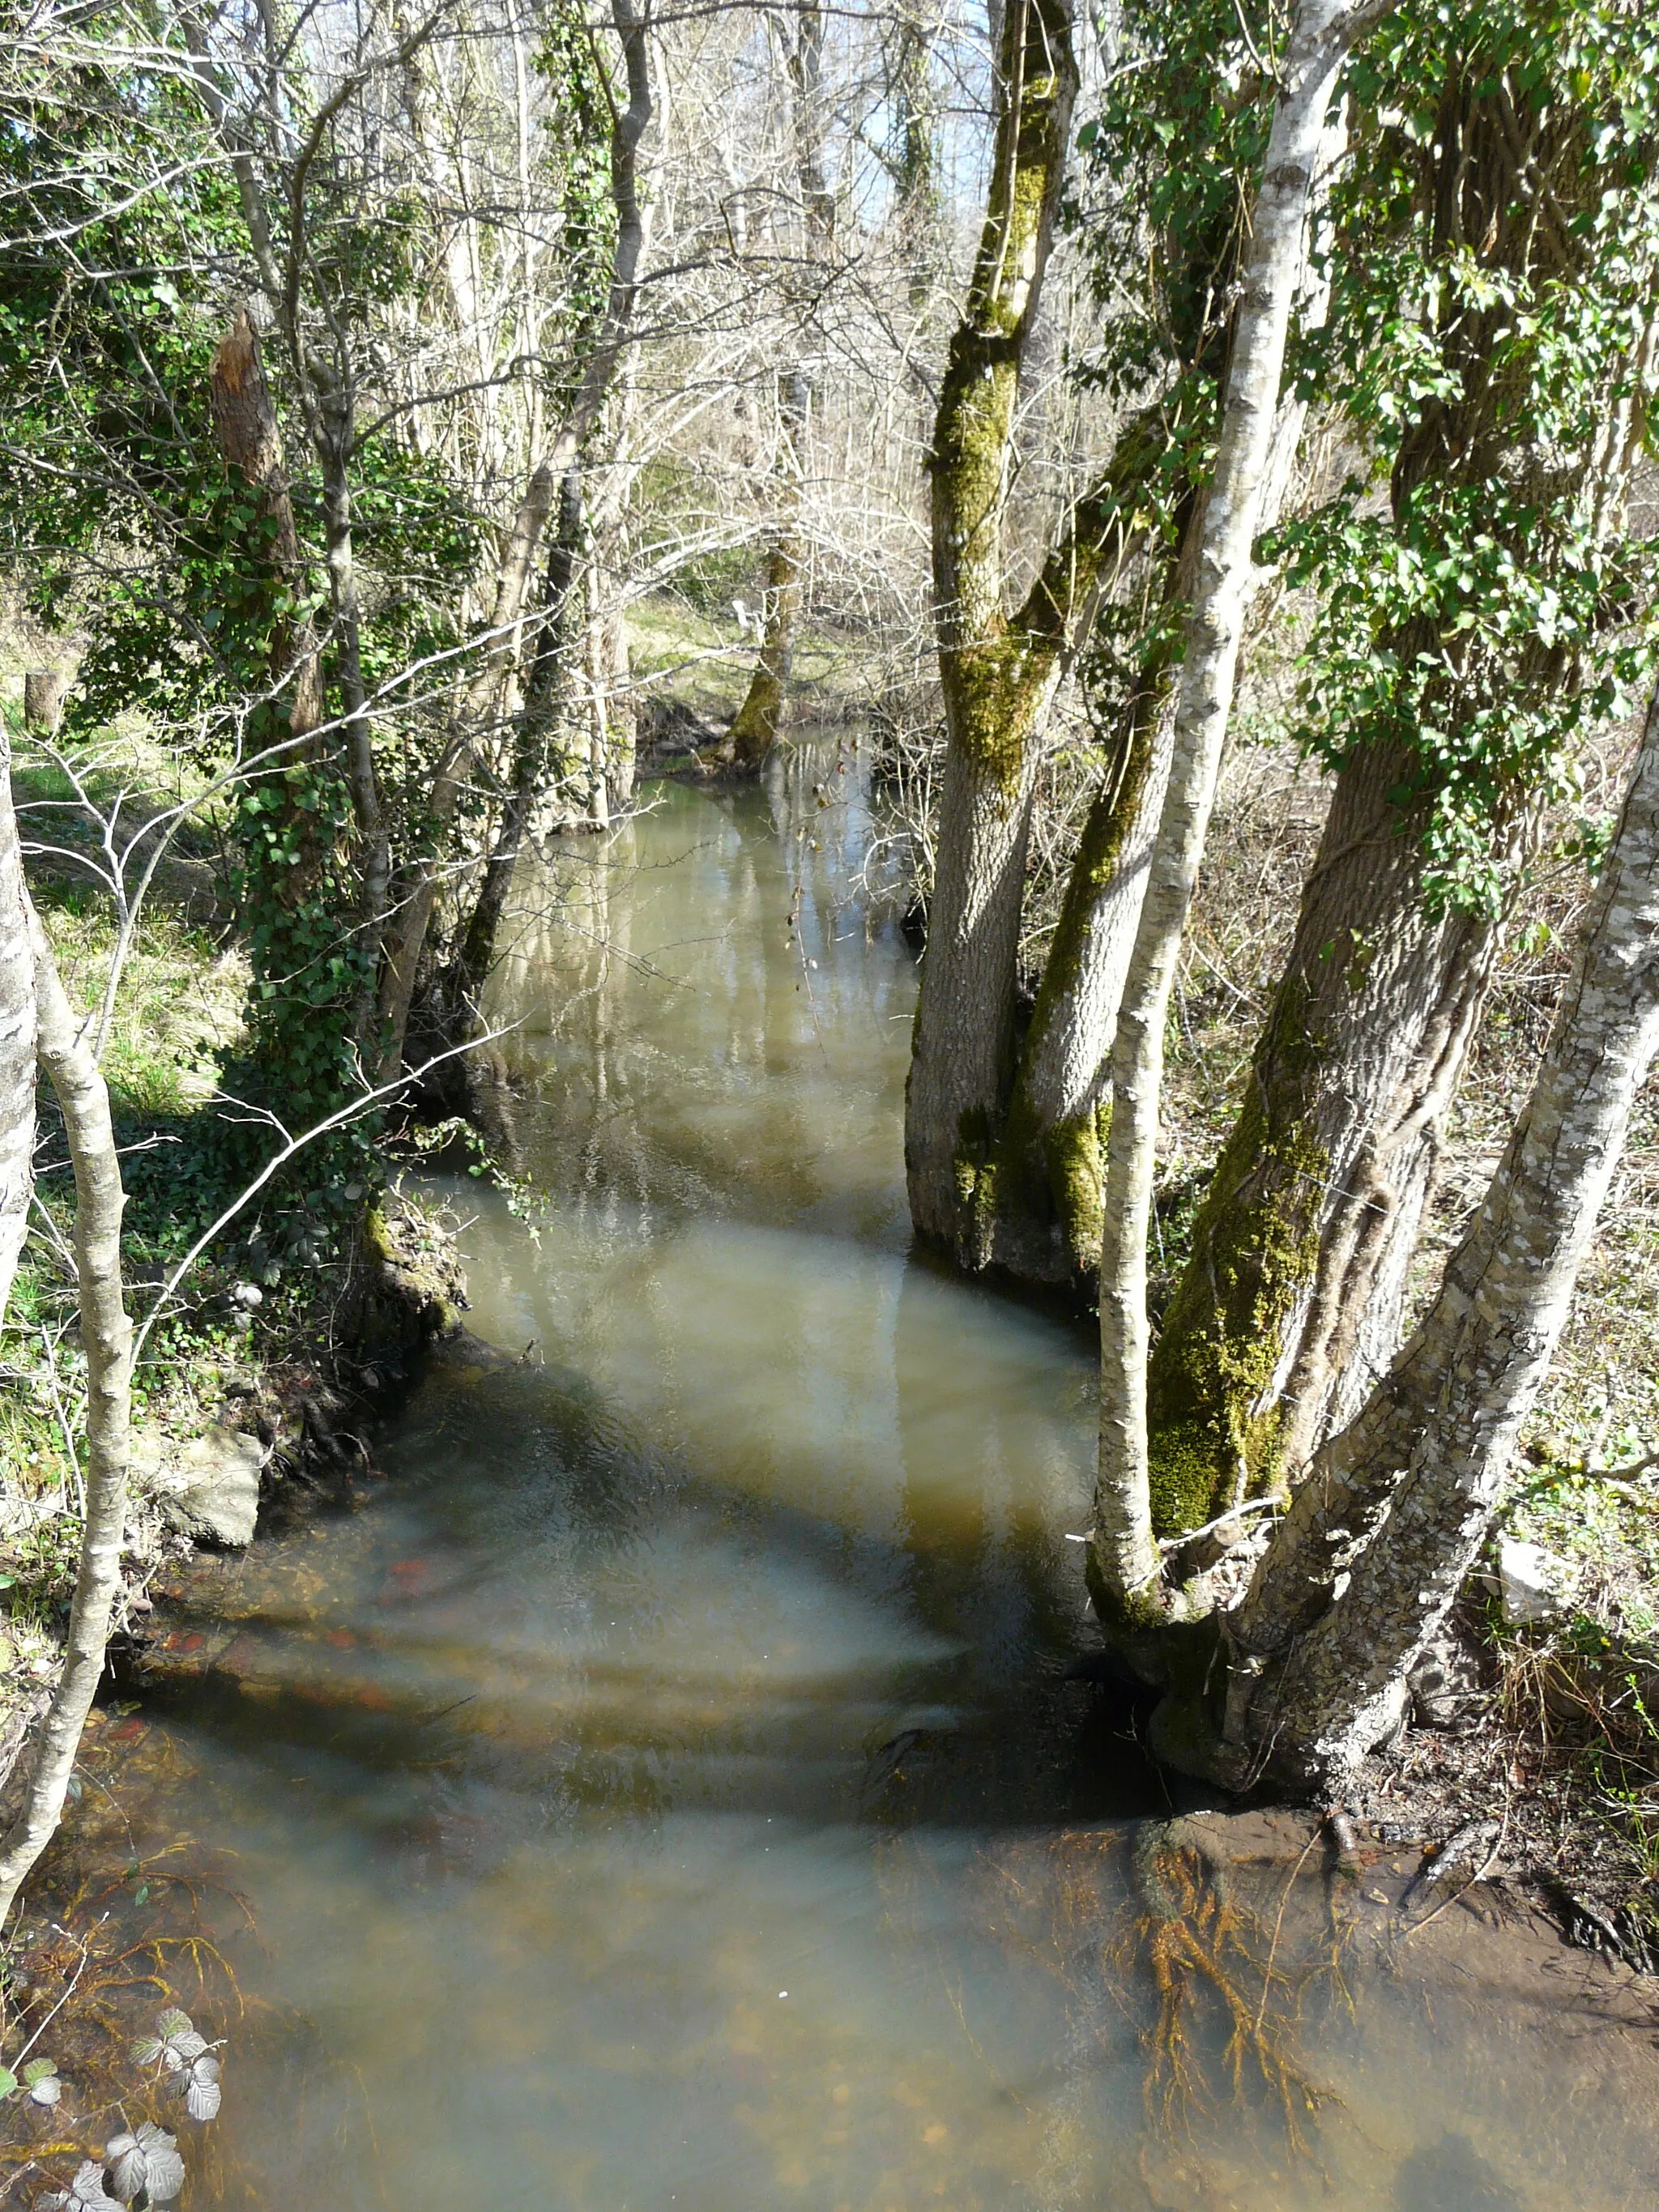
658 1794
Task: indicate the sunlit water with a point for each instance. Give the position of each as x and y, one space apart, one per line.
637 1800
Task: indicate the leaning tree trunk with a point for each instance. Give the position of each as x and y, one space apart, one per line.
1383 1534
106 1338
1289 1306
1124 1557
17 1026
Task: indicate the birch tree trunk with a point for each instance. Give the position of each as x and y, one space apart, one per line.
1380 1537
1124 1557
18 1027
106 1337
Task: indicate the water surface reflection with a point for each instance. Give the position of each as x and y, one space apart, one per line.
632 1796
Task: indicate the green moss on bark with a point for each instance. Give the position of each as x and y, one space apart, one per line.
1214 1433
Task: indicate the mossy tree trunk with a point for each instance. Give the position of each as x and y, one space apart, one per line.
761 717
1035 1208
1030 1191
996 676
17 1025
1127 1570
1381 1536
1289 1305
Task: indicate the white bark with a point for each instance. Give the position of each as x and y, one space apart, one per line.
1126 1556
1389 1523
106 1338
16 1041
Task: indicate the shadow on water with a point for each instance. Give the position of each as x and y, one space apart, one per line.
628 1794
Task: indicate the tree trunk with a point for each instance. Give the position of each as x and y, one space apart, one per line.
761 718
994 692
765 707
17 1040
245 420
1124 1555
1037 1204
1289 1308
43 699
481 701
1381 1535
107 1336
545 717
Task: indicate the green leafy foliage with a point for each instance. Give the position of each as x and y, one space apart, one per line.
1492 271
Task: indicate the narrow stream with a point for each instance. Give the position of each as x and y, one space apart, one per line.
646 1800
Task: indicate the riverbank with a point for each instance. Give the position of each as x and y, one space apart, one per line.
763 1575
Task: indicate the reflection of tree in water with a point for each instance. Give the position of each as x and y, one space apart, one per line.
683 1029
981 1569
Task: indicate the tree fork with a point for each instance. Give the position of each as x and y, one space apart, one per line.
1126 1561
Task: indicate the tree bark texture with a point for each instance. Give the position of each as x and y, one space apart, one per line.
1383 1534
17 1040
106 1337
1124 1555
1289 1308
43 699
995 677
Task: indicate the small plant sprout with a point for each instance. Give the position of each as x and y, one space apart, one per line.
144 2167
179 2049
86 2193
